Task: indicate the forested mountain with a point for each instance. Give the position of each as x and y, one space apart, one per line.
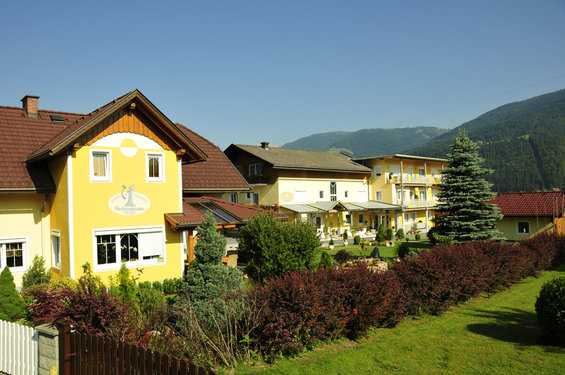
368 142
524 142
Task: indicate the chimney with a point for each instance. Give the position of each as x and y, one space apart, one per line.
30 106
265 145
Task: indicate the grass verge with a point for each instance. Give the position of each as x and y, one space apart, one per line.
495 335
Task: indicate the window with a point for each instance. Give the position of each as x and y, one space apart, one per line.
422 195
100 166
321 194
421 171
56 248
12 254
348 219
377 170
379 195
361 219
346 194
361 196
233 197
433 171
398 196
155 170
255 169
135 246
252 197
333 191
523 227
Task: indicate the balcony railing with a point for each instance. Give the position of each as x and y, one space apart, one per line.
254 179
414 179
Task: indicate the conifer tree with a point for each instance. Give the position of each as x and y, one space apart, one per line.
463 213
11 304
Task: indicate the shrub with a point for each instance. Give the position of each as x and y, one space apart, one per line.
417 237
381 230
357 240
302 308
345 235
403 249
157 285
270 247
380 238
331 241
388 234
11 304
400 234
326 260
550 309
123 285
144 285
172 286
342 256
63 282
150 301
375 253
36 274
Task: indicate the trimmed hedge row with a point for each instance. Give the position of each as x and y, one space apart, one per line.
301 308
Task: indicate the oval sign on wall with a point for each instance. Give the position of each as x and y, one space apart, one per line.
128 202
287 197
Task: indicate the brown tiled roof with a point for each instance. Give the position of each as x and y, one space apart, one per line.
19 137
215 174
26 142
194 210
540 203
286 158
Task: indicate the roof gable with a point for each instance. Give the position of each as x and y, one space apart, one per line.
98 123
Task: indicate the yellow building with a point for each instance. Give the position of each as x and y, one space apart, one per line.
527 214
92 188
411 182
327 189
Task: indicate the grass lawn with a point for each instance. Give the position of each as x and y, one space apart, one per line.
496 335
385 251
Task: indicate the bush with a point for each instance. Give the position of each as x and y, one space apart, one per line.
342 256
417 237
302 308
388 234
326 260
331 241
157 285
400 234
550 309
150 301
144 285
380 238
270 247
403 249
375 253
357 240
123 285
36 274
11 304
345 235
172 286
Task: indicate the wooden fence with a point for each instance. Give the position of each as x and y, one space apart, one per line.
18 349
95 355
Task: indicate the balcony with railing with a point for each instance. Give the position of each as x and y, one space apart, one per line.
413 179
256 180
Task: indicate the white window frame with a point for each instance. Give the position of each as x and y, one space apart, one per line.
3 261
161 156
421 171
300 193
518 227
128 230
234 198
377 193
108 177
333 196
55 233
377 171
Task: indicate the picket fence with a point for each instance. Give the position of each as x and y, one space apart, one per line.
18 349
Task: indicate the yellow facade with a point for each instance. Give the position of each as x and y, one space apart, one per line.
409 181
516 228
24 231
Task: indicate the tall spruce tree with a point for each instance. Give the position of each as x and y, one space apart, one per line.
463 213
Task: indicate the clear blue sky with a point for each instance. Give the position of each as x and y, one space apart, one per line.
247 71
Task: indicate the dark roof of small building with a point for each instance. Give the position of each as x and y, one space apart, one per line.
286 158
213 175
194 211
539 203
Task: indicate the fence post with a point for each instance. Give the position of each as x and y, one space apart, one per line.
64 348
48 349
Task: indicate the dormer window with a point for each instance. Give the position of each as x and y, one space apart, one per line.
255 169
155 170
100 166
